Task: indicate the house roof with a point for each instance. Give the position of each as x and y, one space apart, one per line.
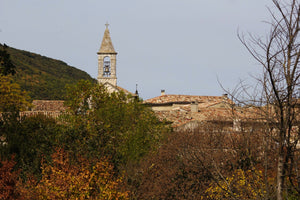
106 45
182 114
48 105
181 99
118 88
126 91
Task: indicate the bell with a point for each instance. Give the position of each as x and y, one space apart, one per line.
106 69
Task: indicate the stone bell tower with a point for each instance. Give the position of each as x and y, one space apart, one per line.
107 60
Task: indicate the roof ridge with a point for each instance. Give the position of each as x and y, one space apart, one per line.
182 95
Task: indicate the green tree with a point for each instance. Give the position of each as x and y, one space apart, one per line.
12 98
6 65
100 123
29 139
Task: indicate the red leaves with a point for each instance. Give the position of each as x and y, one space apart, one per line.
8 179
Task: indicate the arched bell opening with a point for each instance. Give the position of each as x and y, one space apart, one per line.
106 66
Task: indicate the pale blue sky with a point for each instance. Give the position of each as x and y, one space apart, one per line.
181 46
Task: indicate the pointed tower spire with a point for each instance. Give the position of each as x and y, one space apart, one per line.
106 45
107 60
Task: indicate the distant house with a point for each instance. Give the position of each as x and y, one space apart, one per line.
181 109
188 112
49 108
48 105
167 102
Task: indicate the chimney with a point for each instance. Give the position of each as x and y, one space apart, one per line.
194 106
225 96
162 92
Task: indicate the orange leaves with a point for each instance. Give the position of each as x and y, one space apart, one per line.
8 179
64 179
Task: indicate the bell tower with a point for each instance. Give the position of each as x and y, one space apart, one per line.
107 60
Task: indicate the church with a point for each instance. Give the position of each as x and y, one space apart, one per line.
182 111
107 65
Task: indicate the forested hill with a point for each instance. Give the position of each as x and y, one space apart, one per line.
43 77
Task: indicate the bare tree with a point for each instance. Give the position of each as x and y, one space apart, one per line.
189 163
279 55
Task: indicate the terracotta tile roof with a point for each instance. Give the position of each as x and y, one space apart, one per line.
118 88
175 116
182 115
48 105
172 98
125 91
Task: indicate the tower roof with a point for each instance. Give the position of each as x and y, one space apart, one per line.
106 45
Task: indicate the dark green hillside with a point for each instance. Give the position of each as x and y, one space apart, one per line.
43 77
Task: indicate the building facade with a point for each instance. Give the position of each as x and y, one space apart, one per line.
107 61
107 65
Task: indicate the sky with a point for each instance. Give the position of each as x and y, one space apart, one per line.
185 47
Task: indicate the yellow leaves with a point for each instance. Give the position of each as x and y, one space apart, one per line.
66 180
11 96
241 184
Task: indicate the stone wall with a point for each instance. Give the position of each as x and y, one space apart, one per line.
53 114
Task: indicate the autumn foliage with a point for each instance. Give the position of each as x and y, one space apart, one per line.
12 98
63 179
210 163
8 179
241 184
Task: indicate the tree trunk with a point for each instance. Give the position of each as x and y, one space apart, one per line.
280 175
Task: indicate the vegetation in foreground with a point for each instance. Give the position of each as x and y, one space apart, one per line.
87 153
109 146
